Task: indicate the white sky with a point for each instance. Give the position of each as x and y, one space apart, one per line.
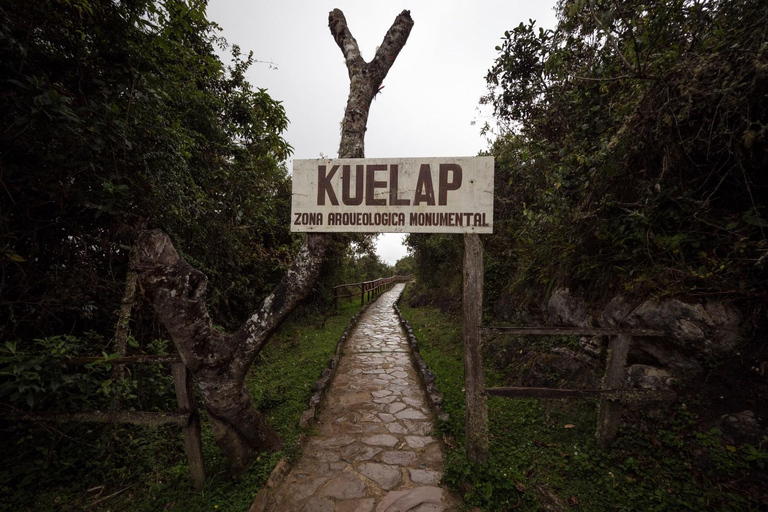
430 96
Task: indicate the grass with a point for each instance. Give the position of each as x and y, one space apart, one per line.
542 450
142 469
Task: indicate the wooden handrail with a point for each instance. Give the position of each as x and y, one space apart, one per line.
143 359
365 289
572 331
186 416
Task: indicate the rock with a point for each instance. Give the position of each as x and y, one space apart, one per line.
550 502
643 376
424 476
315 504
400 458
278 473
410 414
386 476
711 328
417 442
396 428
303 489
592 346
343 487
360 453
742 428
566 309
380 440
307 418
362 505
386 418
412 499
320 383
260 501
659 351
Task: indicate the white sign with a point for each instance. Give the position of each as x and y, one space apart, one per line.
393 195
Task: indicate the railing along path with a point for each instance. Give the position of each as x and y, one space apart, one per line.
612 395
367 290
185 417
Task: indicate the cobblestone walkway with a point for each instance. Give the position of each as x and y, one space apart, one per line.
373 451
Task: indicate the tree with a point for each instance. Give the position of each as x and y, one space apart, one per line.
634 140
120 115
220 361
631 152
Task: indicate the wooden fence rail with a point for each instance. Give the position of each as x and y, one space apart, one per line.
186 416
367 290
612 395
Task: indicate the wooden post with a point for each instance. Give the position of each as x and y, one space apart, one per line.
609 415
193 442
474 376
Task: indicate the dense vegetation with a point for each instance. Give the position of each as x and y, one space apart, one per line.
118 117
630 148
131 468
543 452
630 154
630 145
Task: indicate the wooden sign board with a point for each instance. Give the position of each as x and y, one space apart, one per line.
393 195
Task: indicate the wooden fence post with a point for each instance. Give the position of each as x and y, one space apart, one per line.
474 376
193 442
609 415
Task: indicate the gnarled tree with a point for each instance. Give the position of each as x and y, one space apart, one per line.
220 361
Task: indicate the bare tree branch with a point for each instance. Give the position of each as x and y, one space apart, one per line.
348 44
364 78
390 47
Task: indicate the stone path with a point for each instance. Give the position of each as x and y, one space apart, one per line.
374 451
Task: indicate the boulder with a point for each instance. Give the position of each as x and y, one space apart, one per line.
564 308
710 328
742 428
643 376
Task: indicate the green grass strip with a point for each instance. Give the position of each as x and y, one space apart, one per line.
542 450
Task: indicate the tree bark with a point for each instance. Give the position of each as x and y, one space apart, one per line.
365 78
220 361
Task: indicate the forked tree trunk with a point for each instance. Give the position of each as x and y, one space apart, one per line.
220 361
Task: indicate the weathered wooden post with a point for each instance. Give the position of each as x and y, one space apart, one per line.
193 442
474 375
609 415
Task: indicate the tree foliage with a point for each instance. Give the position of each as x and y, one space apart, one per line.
119 116
632 150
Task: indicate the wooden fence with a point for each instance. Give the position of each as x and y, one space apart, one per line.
612 395
367 290
185 417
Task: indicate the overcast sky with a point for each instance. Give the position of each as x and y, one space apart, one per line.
430 97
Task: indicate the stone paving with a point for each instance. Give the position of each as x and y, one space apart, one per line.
373 451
